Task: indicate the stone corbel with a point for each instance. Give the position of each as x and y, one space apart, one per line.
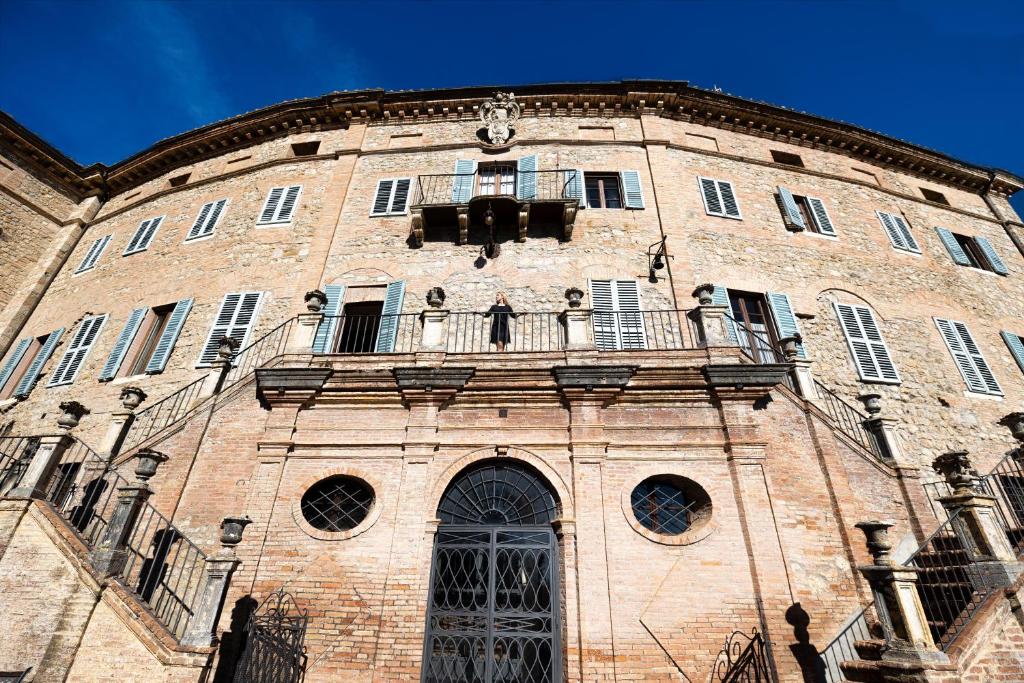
598 384
569 220
463 212
289 386
524 221
418 224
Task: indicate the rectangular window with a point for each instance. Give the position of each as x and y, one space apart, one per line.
967 356
391 197
868 348
17 363
933 196
235 319
93 255
178 181
973 252
618 322
74 357
756 333
207 219
804 213
603 191
280 205
787 158
898 232
143 235
153 329
719 198
496 179
24 377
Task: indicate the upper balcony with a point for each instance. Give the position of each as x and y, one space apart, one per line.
517 198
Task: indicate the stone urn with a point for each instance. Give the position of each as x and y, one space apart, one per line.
1015 423
704 294
791 346
146 462
226 348
315 301
435 297
231 530
872 402
958 472
131 397
876 534
574 295
71 414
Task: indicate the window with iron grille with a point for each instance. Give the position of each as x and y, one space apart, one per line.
337 503
669 505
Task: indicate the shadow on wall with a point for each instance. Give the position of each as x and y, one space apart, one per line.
812 666
232 643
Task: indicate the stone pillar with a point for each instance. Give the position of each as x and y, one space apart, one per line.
897 602
217 577
710 319
802 376
882 429
121 421
973 517
303 332
41 467
576 322
110 554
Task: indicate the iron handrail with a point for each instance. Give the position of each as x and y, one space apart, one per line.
842 648
158 416
848 419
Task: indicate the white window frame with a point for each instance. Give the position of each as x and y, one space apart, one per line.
92 256
898 218
721 200
391 198
209 229
143 226
257 309
868 342
276 218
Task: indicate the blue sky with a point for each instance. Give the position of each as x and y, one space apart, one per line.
102 81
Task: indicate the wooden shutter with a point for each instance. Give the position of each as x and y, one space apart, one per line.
72 360
1013 341
400 197
462 183
93 254
632 193
288 204
323 342
602 300
953 247
790 211
122 344
968 358
720 297
821 217
235 319
207 219
387 332
14 360
712 202
164 346
143 235
785 319
574 186
382 198
863 337
32 374
270 205
526 178
632 334
990 253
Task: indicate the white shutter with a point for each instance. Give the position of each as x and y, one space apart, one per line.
382 198
122 344
72 360
953 247
908 238
603 303
1013 341
821 217
271 205
719 198
388 329
785 319
288 204
790 211
462 182
990 253
391 197
400 196
14 360
968 358
207 219
235 319
895 236
28 380
143 235
93 254
618 322
632 193
729 203
720 297
164 346
324 339
864 338
526 173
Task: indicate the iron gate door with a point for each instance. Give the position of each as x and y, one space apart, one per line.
493 606
274 651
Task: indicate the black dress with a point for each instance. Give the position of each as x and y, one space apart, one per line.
499 323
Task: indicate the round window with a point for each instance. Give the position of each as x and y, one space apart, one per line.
669 505
337 503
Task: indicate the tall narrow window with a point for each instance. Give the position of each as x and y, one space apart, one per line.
24 376
868 348
496 179
207 219
618 322
968 358
391 197
1015 343
755 331
93 255
804 213
235 319
603 191
143 236
71 362
719 198
280 205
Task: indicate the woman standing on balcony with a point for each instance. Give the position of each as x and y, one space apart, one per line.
500 313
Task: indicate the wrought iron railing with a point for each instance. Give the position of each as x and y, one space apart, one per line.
362 334
15 454
533 186
158 416
848 419
744 659
842 648
517 332
668 330
259 353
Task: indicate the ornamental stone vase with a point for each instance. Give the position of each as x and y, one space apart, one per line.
71 415
876 534
791 346
956 468
146 462
226 347
872 402
435 297
704 294
1015 423
574 295
131 397
231 530
315 301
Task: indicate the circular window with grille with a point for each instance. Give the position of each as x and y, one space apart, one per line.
338 503
670 507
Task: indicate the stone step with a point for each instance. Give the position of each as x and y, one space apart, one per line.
870 650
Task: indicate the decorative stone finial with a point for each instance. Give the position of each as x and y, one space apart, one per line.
435 297
1015 423
704 294
231 530
226 347
791 346
315 300
71 415
876 534
956 467
872 402
131 397
574 295
146 462
499 115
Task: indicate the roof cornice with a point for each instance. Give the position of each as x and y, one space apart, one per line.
671 99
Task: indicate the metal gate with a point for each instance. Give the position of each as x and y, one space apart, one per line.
274 652
493 612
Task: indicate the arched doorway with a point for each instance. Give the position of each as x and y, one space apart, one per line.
492 613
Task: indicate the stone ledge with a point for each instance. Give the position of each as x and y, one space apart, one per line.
590 376
746 375
415 377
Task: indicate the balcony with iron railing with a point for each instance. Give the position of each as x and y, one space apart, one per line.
493 203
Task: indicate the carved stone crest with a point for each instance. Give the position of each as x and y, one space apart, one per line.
499 115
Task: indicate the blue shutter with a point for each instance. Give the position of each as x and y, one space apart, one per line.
790 210
631 190
158 361
720 297
820 216
953 247
388 330
526 185
574 186
785 320
14 360
325 333
1012 340
462 183
122 344
993 258
32 374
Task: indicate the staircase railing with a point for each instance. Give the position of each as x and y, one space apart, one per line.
15 454
848 419
255 355
842 648
744 659
165 412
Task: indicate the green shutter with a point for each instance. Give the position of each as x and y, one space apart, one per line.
993 258
574 186
324 338
526 184
790 211
720 297
32 374
1012 340
785 319
388 330
158 361
953 247
14 360
462 182
122 344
